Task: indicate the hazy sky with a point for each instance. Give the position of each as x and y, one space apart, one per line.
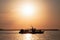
47 14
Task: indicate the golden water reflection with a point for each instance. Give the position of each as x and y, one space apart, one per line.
46 36
27 36
31 37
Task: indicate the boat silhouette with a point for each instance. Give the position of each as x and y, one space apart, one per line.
32 31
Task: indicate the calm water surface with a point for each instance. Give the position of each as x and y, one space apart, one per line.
48 35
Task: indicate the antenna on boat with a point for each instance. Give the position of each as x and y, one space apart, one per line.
32 27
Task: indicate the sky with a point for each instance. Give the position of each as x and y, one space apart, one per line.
26 13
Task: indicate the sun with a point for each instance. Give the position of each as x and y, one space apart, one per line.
27 10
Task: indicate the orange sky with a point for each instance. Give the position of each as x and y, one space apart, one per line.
23 14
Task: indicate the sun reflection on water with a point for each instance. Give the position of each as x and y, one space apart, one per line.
27 36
